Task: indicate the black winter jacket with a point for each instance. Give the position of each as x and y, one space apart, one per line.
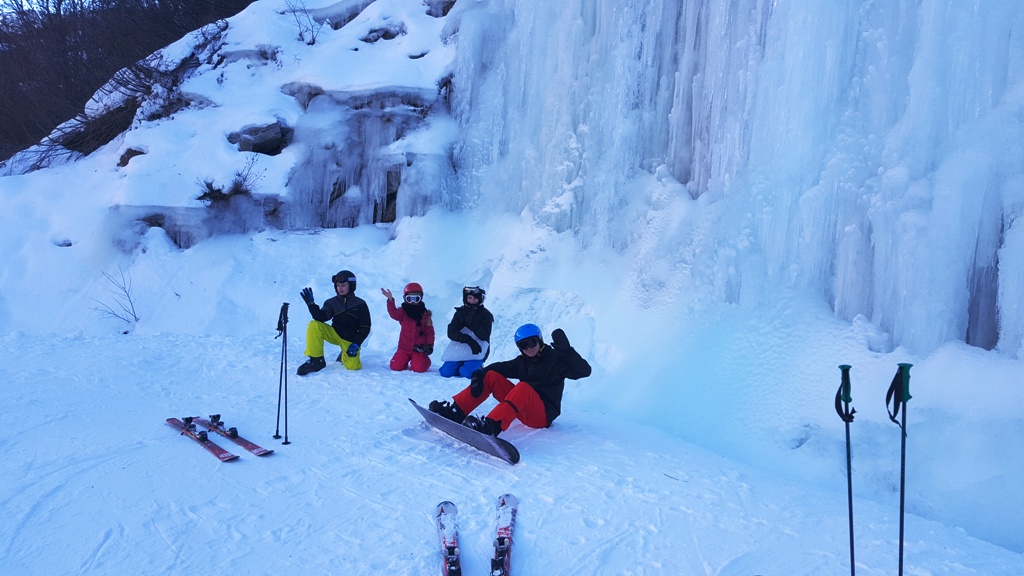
546 373
476 318
348 315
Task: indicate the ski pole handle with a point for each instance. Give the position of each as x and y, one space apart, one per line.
843 399
905 375
282 318
845 369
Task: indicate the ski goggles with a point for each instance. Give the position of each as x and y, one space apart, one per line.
529 342
413 298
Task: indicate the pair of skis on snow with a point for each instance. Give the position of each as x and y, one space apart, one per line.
448 534
187 427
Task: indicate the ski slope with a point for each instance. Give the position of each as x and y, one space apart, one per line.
97 483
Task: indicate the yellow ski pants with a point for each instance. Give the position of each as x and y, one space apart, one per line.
318 332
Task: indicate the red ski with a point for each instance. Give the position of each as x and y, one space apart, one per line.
201 437
505 522
215 424
446 515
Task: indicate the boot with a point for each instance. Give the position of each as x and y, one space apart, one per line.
314 364
449 410
483 425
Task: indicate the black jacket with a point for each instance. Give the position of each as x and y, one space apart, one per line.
476 318
348 315
546 373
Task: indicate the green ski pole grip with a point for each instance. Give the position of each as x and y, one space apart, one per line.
905 373
845 369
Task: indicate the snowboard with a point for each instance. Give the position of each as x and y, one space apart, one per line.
494 446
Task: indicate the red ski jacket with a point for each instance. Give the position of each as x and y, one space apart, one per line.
414 332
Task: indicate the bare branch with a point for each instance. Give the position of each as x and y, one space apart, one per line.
124 302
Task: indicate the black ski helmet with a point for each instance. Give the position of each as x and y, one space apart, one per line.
476 291
345 276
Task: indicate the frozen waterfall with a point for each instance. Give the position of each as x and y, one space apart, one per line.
869 151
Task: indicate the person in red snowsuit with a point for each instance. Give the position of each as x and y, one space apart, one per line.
536 400
416 338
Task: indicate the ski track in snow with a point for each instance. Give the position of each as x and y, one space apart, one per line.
88 453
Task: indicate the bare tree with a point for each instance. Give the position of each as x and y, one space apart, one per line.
309 28
124 302
55 54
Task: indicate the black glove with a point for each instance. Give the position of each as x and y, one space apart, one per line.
476 383
307 295
427 349
474 346
559 341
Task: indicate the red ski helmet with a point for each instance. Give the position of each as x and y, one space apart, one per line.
413 288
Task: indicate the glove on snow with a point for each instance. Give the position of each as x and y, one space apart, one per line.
559 341
476 383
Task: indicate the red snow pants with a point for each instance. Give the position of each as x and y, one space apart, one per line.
515 401
402 359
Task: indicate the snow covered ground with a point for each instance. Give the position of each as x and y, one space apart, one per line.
97 483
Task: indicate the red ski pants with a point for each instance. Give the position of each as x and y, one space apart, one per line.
402 359
515 401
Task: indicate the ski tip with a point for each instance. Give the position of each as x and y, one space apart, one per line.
508 500
447 507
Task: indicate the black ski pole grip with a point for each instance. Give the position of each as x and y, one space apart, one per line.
282 318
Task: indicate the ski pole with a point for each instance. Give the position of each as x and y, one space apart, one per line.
899 393
846 413
282 382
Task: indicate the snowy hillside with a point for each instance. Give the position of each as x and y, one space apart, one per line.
619 485
99 485
714 279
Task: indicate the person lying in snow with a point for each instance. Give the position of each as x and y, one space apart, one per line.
536 400
350 324
416 339
470 335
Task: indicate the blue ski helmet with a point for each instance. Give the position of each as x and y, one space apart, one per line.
527 330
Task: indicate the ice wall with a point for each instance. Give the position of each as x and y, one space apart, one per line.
869 151
354 158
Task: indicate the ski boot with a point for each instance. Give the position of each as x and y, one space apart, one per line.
314 364
484 425
449 410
